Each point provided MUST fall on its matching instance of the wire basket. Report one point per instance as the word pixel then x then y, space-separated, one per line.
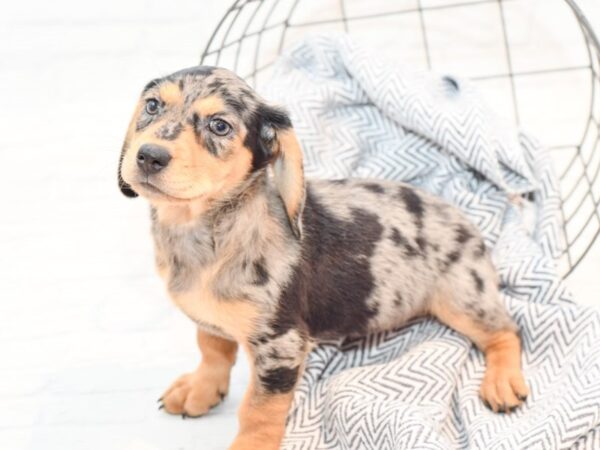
pixel 509 48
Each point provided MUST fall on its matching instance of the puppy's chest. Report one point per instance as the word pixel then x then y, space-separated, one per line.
pixel 203 286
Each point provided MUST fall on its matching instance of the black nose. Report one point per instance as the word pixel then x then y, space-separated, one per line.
pixel 152 158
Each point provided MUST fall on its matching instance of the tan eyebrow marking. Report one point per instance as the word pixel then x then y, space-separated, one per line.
pixel 209 105
pixel 170 93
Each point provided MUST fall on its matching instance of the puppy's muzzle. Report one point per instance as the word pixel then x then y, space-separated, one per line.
pixel 152 158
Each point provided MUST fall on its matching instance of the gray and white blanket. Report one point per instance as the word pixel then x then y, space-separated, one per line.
pixel 417 387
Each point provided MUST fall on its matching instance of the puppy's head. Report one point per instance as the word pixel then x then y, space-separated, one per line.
pixel 199 133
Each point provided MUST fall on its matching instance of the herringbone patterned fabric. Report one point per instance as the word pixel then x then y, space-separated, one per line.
pixel 417 387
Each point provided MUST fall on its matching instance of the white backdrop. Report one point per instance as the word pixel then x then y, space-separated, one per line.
pixel 88 340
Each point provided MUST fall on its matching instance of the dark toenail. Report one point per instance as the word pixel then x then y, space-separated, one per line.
pixel 487 404
pixel 513 408
pixel 522 397
pixel 161 406
pixel 184 415
pixel 159 400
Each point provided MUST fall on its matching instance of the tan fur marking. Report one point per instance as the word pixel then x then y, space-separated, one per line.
pixel 289 173
pixel 170 93
pixel 503 386
pixel 237 317
pixel 209 105
pixel 197 392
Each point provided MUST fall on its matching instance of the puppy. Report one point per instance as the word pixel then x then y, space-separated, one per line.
pixel 258 257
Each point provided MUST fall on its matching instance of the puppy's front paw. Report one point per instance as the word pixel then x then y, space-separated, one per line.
pixel 194 394
pixel 503 389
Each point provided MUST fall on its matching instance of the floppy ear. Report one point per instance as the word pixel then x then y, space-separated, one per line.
pixel 286 161
pixel 123 186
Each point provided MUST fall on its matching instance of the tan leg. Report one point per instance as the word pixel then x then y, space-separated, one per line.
pixel 193 394
pixel 276 367
pixel 262 420
pixel 503 387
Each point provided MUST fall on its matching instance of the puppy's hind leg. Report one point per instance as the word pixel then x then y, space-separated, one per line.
pixel 478 313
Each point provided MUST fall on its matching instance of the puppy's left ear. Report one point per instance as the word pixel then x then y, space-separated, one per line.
pixel 286 161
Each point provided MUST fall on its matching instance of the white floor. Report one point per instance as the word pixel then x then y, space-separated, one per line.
pixel 88 340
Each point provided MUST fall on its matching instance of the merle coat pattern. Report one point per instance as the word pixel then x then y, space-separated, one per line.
pixel 257 256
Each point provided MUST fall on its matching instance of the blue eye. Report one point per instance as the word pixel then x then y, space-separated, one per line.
pixel 152 106
pixel 219 127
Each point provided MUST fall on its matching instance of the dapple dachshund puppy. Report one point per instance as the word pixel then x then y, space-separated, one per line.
pixel 258 257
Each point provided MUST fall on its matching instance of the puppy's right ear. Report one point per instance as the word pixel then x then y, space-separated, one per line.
pixel 124 187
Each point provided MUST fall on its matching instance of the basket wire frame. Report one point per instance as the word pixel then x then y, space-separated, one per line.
pixel 242 30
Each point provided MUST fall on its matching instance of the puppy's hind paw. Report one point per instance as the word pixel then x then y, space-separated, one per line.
pixel 503 389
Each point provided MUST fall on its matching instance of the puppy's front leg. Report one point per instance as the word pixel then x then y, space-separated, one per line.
pixel 193 394
pixel 276 367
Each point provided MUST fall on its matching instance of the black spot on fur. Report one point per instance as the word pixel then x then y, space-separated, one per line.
pixel 398 299
pixel 401 241
pixel 279 380
pixel 480 313
pixel 236 103
pixel 152 84
pixel 256 341
pixel 413 203
pixel 256 140
pixel 211 144
pixel 479 250
pixel 479 284
pixel 374 187
pixel 462 234
pixel 214 86
pixel 422 243
pixel 194 121
pixel 261 275
pixel 453 256
pixel 330 288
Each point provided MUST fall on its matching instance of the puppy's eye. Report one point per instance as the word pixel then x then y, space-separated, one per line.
pixel 219 127
pixel 152 106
